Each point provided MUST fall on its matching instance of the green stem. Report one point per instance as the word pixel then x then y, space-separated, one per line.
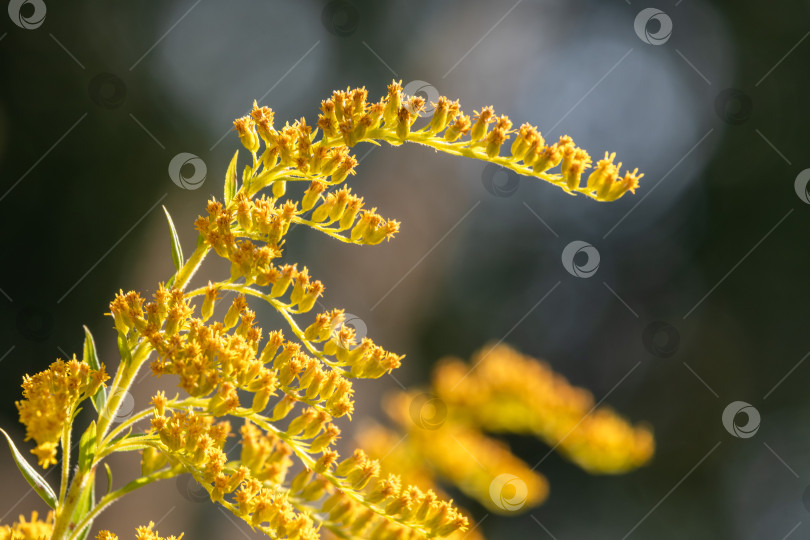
pixel 66 432
pixel 123 380
pixel 324 229
pixel 191 265
pixel 74 495
pixel 113 496
pixel 131 421
pixel 465 149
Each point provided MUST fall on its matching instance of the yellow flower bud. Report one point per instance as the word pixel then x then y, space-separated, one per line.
pixel 325 462
pixel 441 115
pixel 279 188
pixel 313 292
pixel 274 341
pixel 283 407
pixel 479 129
pixel 325 439
pixel 247 133
pixel 300 423
pixel 208 302
pixel 403 124
pixel 393 103
pixel 314 386
pixel 284 280
pixel 261 399
pixel 323 211
pixel 459 127
pixel 312 194
pixel 301 480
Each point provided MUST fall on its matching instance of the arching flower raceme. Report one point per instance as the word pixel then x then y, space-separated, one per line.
pixel 258 414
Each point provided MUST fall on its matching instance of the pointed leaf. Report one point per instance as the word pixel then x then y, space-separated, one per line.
pixel 31 475
pixel 230 180
pixel 177 252
pixel 91 357
pixel 109 476
pixel 87 447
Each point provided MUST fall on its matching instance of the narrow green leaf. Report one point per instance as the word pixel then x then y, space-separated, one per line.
pixel 230 180
pixel 87 447
pixel 177 251
pixel 91 357
pixel 31 475
pixel 109 477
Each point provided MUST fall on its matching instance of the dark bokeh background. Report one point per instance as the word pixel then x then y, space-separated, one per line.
pixel 700 299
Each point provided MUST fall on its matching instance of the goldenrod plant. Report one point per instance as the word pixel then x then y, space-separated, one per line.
pixel 444 431
pixel 287 388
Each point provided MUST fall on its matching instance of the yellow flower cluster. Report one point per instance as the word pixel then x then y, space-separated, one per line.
pixel 36 529
pixel 197 443
pixel 461 455
pixel 512 393
pixel 141 533
pixel 398 459
pixel 348 118
pixel 214 362
pixel 356 499
pixel 501 391
pixel 49 402
pixel 290 391
pixel 421 512
pixel 217 361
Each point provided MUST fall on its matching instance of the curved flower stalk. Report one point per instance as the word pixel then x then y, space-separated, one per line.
pixel 501 392
pixel 287 388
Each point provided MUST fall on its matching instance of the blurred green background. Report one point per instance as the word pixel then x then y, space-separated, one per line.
pixel 701 295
